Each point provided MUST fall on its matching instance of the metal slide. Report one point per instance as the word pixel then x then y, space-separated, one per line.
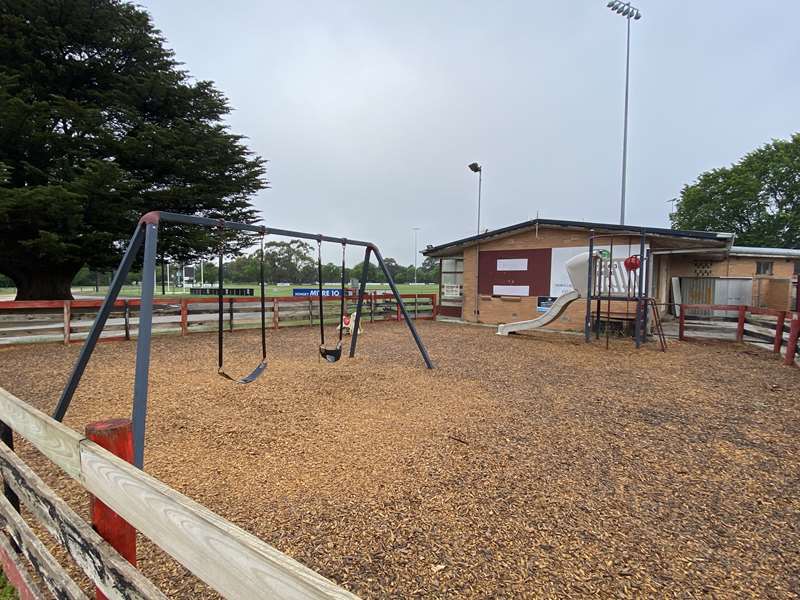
pixel 555 311
pixel 578 272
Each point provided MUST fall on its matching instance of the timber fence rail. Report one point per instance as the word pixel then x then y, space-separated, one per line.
pixel 230 560
pixel 69 321
pixel 777 330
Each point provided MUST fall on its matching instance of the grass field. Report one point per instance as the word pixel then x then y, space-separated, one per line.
pixel 272 290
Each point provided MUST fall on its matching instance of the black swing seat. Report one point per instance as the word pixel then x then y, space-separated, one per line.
pixel 255 374
pixel 331 355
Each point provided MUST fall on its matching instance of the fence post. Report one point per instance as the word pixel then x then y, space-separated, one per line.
pixel 67 319
pixel 116 436
pixel 127 317
pixel 275 315
pixel 372 307
pixel 230 314
pixel 398 310
pixel 776 347
pixel 791 345
pixel 740 324
pixel 7 437
pixel 682 324
pixel 184 316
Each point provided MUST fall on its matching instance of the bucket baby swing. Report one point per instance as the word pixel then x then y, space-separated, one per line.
pixel 331 355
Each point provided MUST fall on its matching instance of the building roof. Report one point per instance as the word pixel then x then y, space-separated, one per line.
pixel 702 236
pixel 769 252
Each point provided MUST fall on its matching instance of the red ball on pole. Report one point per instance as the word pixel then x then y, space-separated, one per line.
pixel 632 263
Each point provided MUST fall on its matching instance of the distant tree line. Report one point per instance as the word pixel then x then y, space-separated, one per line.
pixel 284 262
pixel 294 262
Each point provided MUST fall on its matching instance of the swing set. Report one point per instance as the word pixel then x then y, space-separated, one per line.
pixel 146 235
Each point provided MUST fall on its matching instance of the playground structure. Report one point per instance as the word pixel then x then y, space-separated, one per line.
pixel 616 281
pixel 146 235
pixel 598 277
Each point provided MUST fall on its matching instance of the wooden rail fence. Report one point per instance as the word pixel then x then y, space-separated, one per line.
pixel 69 321
pixel 227 558
pixel 776 329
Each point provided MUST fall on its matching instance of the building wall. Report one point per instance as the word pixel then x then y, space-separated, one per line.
pixel 773 291
pixel 736 266
pixel 496 310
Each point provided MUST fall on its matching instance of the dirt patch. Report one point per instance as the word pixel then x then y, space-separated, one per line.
pixel 522 466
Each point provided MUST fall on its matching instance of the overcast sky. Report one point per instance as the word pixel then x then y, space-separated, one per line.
pixel 370 111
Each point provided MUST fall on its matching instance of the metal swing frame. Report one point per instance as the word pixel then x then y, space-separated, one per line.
pixel 146 235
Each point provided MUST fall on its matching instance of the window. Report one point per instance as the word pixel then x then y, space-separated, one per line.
pixel 764 267
pixel 797 267
pixel 452 278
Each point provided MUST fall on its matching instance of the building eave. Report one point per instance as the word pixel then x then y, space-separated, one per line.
pixel 704 238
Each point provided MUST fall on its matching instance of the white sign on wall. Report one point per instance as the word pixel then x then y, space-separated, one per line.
pixel 620 284
pixel 512 264
pixel 511 290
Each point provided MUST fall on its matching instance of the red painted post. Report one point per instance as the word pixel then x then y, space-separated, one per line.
pixel 184 316
pixel 776 347
pixel 740 324
pixel 791 345
pixel 116 436
pixel 682 324
pixel 16 578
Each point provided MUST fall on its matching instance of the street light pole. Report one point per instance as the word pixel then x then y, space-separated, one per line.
pixel 476 168
pixel 629 12
pixel 416 229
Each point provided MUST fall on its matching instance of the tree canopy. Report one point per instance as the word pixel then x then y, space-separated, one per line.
pixel 294 262
pixel 758 198
pixel 99 124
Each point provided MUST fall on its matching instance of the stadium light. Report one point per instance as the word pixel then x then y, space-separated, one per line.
pixel 627 10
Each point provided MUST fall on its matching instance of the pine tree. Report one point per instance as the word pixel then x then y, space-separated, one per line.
pixel 98 125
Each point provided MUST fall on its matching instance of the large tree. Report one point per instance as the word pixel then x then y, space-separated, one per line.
pixel 99 124
pixel 758 198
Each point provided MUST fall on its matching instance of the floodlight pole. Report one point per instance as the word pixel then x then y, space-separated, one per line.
pixel 629 12
pixel 625 127
pixel 416 229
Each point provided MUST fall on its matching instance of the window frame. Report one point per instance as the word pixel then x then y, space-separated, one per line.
pixel 765 267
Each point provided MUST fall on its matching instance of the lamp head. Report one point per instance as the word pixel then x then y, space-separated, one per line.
pixel 474 167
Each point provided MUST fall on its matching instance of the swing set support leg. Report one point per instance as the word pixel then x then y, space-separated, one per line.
pixel 143 344
pixel 99 322
pixel 362 286
pixel 422 350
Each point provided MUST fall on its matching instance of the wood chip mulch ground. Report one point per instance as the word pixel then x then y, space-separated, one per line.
pixel 523 466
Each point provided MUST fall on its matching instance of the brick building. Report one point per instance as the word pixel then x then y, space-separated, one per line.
pixel 515 273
